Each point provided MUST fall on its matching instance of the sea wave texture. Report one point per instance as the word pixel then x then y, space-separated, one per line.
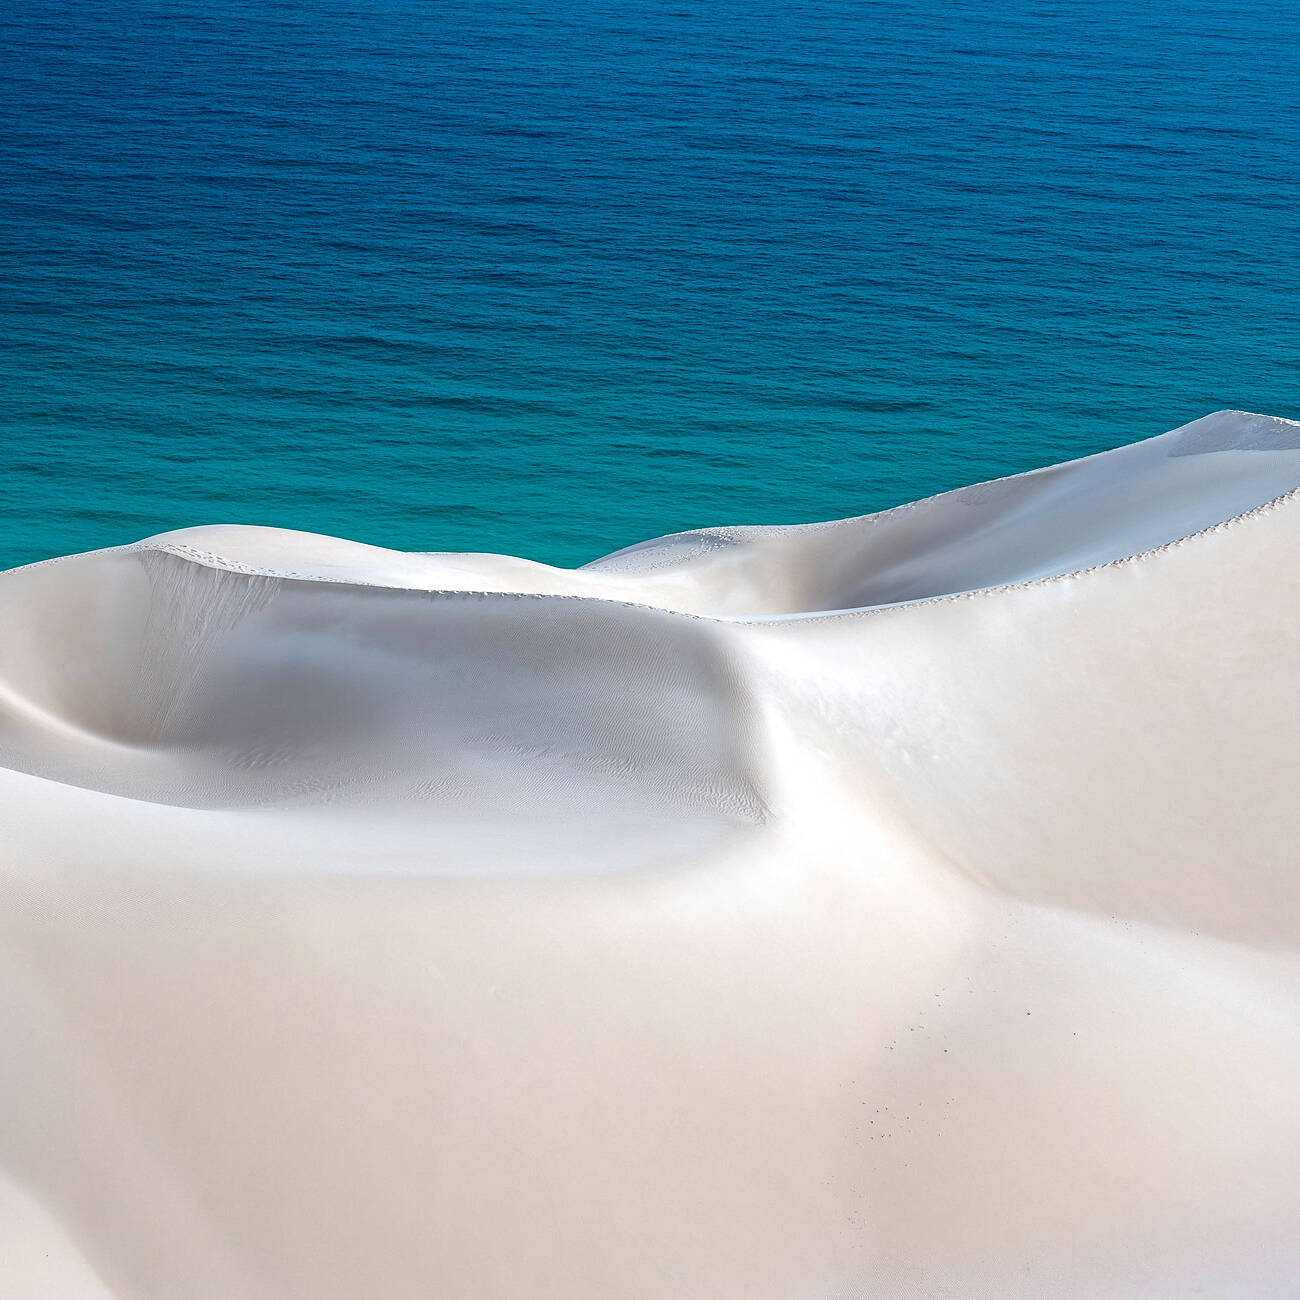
pixel 554 278
pixel 901 906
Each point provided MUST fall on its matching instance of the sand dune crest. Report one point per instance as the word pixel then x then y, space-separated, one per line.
pixel 897 906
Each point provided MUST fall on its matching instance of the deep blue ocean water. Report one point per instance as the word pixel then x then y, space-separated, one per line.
pixel 553 277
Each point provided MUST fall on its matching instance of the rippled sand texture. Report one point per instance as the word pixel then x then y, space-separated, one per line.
pixel 904 906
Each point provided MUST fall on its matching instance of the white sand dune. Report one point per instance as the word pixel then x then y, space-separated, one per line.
pixel 904 906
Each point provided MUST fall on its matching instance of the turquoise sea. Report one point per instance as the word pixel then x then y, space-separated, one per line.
pixel 553 277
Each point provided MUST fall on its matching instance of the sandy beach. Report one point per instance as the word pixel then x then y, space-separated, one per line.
pixel 900 906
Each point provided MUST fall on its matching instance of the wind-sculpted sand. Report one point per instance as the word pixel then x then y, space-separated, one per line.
pixel 904 906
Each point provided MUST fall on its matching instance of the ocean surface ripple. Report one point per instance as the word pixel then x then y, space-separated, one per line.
pixel 548 279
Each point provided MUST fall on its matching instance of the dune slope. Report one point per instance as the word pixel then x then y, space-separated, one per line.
pixel 900 906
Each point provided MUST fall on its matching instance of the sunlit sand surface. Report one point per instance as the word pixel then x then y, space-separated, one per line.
pixel 902 906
